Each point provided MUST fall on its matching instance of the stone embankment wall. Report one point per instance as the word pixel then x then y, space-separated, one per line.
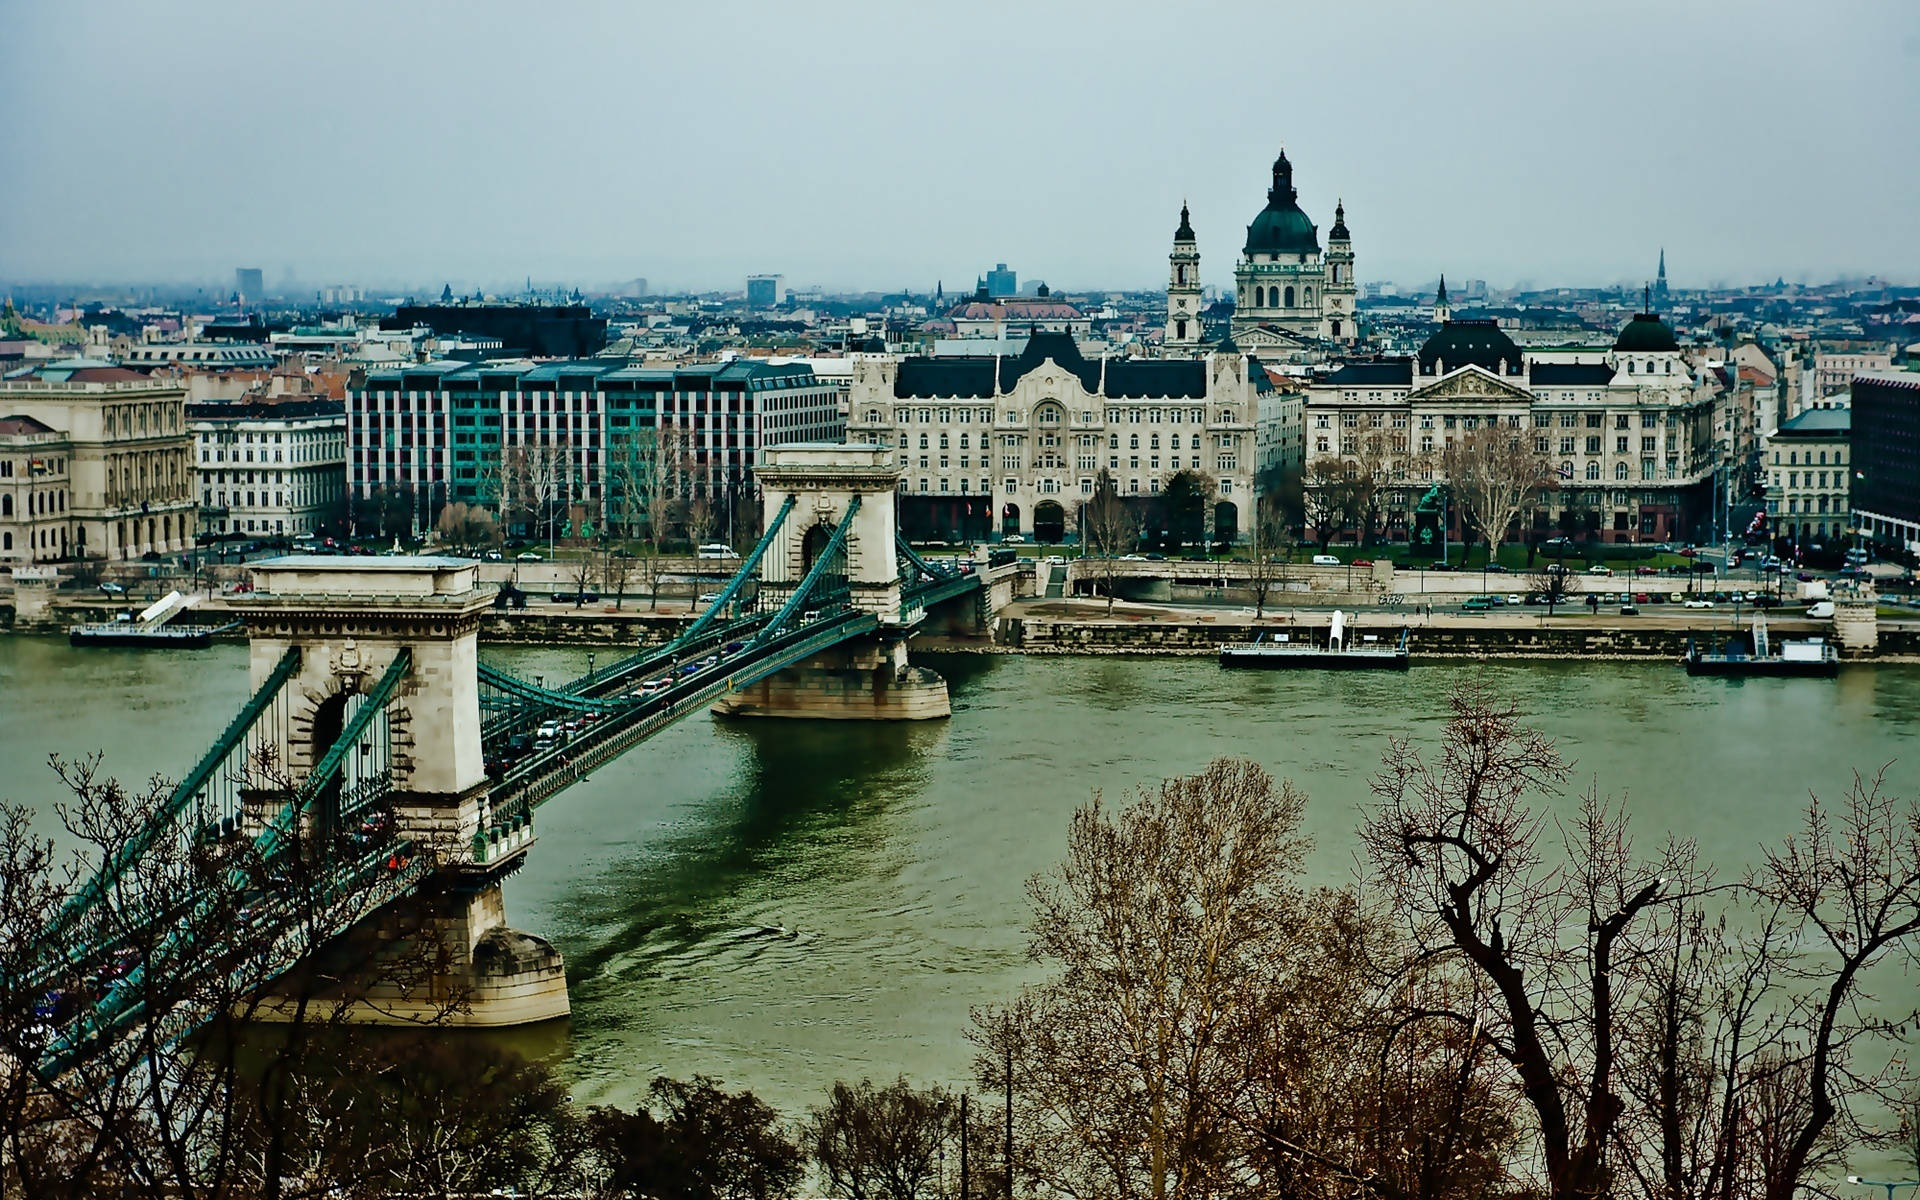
pixel 1583 640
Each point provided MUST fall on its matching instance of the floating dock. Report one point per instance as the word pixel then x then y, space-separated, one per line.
pixel 1341 651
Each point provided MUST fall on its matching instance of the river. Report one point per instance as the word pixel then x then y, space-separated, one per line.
pixel 780 904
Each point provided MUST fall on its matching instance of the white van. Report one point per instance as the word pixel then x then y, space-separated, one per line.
pixel 718 550
pixel 1325 560
pixel 1820 610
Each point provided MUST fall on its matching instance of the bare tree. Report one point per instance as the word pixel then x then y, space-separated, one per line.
pixel 1847 886
pixel 1170 926
pixel 1456 848
pixel 649 471
pixel 1111 528
pixel 467 526
pixel 1497 474
pixel 1270 546
pixel 1369 471
pixel 1330 498
pixel 616 570
pixel 881 1143
pixel 202 930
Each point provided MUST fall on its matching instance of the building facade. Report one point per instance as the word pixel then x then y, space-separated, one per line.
pixel 129 460
pixel 1627 431
pixel 271 469
pixel 1886 459
pixel 1809 476
pixel 445 431
pixel 36 523
pixel 1833 370
pixel 1284 289
pixel 1014 444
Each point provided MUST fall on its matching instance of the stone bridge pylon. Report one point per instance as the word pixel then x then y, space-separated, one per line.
pixel 351 619
pixel 865 679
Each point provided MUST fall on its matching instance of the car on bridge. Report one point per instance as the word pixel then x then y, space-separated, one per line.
pixel 653 687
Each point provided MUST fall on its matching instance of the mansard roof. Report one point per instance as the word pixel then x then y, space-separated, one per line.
pixel 1569 374
pixel 1384 372
pixel 973 377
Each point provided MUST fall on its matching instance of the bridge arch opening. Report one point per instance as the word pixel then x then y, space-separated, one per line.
pixel 329 718
pixel 1049 522
pixel 813 544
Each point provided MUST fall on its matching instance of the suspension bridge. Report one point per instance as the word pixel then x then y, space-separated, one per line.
pixel 382 775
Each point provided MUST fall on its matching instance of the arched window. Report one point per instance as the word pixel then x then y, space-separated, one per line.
pixel 1289 297
pixel 1260 297
pixel 1593 470
pixel 6 541
pixel 1336 329
pixel 1620 470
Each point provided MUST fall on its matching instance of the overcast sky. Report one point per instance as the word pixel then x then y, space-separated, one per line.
pixel 893 146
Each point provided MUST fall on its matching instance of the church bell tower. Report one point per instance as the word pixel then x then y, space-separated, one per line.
pixel 1183 288
pixel 1339 304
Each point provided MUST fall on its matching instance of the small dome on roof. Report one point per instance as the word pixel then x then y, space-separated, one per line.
pixel 1185 232
pixel 1646 334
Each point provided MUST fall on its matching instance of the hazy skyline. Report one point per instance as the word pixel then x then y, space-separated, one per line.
pixel 871 148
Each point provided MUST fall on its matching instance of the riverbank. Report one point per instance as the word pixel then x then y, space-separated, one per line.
pixel 1070 626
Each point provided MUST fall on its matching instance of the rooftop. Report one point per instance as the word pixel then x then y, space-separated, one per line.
pixel 1818 422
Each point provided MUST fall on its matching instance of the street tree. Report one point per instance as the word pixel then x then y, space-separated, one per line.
pixel 881 1143
pixel 1498 474
pixel 1270 544
pixel 1110 528
pixel 467 526
pixel 1330 498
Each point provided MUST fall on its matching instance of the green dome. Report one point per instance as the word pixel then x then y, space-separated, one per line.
pixel 1646 334
pixel 1281 228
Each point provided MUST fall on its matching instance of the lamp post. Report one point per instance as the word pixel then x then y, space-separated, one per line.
pixel 1884 1183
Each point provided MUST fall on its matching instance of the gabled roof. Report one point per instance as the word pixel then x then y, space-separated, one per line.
pixel 1544 374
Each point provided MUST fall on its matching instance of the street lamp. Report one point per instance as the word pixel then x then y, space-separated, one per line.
pixel 1884 1183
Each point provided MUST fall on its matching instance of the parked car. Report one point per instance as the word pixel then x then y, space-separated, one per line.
pixel 527 556
pixel 1014 539
pixel 1646 570
pixel 1597 569
pixel 1367 562
pixel 1325 560
pixel 492 556
pixel 111 588
pixel 1514 599
pixel 1628 610
pixel 1492 569
pixel 1699 602
pixel 1477 604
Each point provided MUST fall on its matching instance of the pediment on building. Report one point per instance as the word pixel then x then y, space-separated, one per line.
pixel 1271 336
pixel 1470 383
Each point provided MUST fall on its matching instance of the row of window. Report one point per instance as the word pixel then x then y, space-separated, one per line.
pixel 1051 414
pixel 1049 486
pixel 38 503
pixel 56 465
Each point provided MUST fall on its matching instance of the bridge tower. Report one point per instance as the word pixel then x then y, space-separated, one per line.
pixel 350 618
pixel 868 679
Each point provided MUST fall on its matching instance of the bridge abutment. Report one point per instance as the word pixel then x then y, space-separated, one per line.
pixel 861 681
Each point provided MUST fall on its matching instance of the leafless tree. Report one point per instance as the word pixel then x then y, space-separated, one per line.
pixel 1111 528
pixel 105 1094
pixel 650 472
pixel 881 1143
pixel 1330 498
pixel 616 571
pixel 1457 848
pixel 467 526
pixel 1270 544
pixel 1496 472
pixel 1169 925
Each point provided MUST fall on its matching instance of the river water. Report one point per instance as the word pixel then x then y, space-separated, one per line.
pixel 783 903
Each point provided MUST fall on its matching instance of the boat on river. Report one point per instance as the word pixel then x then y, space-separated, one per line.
pixel 1758 655
pixel 1339 651
pixel 150 630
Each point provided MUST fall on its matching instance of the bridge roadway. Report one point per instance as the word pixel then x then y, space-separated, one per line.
pixel 698 672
